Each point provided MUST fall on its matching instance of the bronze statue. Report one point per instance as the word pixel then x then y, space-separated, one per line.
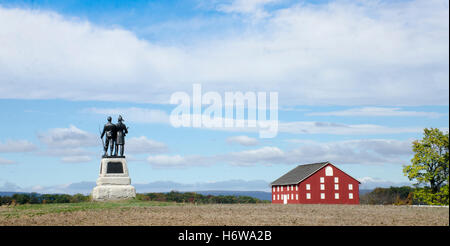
pixel 121 131
pixel 110 130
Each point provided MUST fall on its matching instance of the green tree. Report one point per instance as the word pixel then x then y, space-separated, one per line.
pixel 429 167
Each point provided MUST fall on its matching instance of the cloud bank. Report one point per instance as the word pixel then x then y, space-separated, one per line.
pixel 17 146
pixel 340 53
pixel 243 140
pixel 359 152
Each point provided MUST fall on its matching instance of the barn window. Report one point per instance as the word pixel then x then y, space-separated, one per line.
pixel 273 197
pixel 292 196
pixel 281 188
pixel 322 180
pixel 278 188
pixel 350 195
pixel 292 187
pixel 336 195
pixel 278 197
pixel 308 187
pixel 288 188
pixel 296 196
pixel 322 195
pixel 308 195
pixel 336 186
pixel 336 179
pixel 322 186
pixel 329 171
pixel 296 188
pixel 273 189
pixel 350 186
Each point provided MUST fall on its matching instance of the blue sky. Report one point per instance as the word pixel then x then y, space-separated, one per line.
pixel 356 81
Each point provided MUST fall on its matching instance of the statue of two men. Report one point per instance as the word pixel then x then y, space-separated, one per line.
pixel 115 137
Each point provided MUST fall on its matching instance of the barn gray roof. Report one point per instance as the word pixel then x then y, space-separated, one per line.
pixel 299 173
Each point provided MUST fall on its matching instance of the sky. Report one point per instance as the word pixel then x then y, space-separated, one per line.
pixel 357 83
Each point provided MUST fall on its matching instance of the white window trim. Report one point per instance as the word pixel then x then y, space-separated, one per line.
pixel 308 187
pixel 296 196
pixel 350 195
pixel 281 188
pixel 322 180
pixel 336 186
pixel 350 186
pixel 308 196
pixel 336 195
pixel 322 186
pixel 336 179
pixel 328 171
pixel 278 197
pixel 322 196
pixel 296 188
pixel 287 188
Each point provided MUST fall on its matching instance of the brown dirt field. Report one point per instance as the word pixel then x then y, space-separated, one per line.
pixel 241 214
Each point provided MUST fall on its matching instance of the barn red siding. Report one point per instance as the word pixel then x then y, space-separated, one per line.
pixel 315 192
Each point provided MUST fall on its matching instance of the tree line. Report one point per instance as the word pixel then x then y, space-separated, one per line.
pixel 173 196
pixel 390 196
pixel 35 198
pixel 192 197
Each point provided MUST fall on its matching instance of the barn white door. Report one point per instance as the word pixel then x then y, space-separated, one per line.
pixel 285 198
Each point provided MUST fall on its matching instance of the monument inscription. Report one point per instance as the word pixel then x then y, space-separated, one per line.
pixel 114 167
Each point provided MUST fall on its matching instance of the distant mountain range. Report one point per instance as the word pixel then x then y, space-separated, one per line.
pixel 8 193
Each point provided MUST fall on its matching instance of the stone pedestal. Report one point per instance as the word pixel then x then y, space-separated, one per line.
pixel 113 182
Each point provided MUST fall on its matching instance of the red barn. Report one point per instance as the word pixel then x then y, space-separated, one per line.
pixel 315 183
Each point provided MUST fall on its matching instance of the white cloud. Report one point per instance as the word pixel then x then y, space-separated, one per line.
pixel 264 155
pixel 76 159
pixel 14 146
pixel 341 53
pixel 243 140
pixel 68 138
pixel 8 186
pixel 315 127
pixel 133 114
pixel 67 151
pixel 377 111
pixel 139 145
pixel 6 162
pixel 177 161
pixel 360 152
pixel 255 8
pixel 143 115
pixel 69 143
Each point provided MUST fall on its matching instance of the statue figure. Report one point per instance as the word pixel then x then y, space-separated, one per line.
pixel 110 131
pixel 121 131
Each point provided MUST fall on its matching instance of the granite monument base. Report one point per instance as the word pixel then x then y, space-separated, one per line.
pixel 114 182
